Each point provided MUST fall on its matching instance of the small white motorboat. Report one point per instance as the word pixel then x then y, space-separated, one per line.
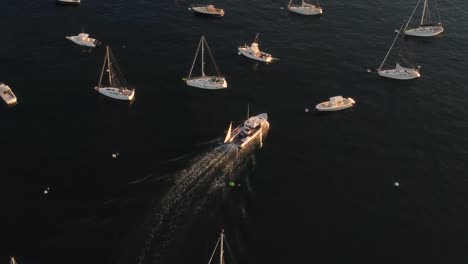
pixel 253 52
pixel 204 81
pixel 428 26
pixel 305 8
pixel 117 87
pixel 83 39
pixel 247 131
pixel 210 10
pixel 336 103
pixel 68 2
pixel 7 94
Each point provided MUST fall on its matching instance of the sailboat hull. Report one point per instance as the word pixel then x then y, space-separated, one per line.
pixel 425 31
pixel 400 74
pixel 306 10
pixel 208 82
pixel 123 94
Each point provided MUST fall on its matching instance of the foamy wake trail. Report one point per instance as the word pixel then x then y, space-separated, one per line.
pixel 191 189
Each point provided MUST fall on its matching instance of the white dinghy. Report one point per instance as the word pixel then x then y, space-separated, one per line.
pixel 68 2
pixel 247 131
pixel 211 82
pixel 399 72
pixel 117 87
pixel 336 103
pixel 253 52
pixel 83 39
pixel 209 10
pixel 428 27
pixel 305 8
pixel 7 94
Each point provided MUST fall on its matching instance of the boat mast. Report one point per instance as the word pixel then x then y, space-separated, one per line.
pixel 248 111
pixel 203 56
pixel 195 59
pixel 109 66
pixel 103 67
pixel 423 13
pixel 391 47
pixel 414 10
pixel 221 249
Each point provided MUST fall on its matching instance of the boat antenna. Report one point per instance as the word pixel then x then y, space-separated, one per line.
pixel 256 38
pixel 82 29
pixel 203 56
pixel 248 111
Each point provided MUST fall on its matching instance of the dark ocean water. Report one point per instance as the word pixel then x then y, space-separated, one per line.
pixel 319 190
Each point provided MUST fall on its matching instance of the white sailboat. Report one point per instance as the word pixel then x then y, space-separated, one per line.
pixel 117 87
pixel 428 27
pixel 242 135
pixel 399 72
pixel 211 82
pixel 253 52
pixel 336 103
pixel 305 8
pixel 7 94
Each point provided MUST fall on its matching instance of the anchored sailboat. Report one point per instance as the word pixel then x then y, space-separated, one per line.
pixel 428 26
pixel 305 8
pixel 205 81
pixel 117 87
pixel 399 72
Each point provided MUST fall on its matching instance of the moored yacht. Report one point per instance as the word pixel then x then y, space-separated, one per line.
pixel 83 39
pixel 7 94
pixel 253 52
pixel 68 2
pixel 305 8
pixel 209 10
pixel 247 131
pixel 336 103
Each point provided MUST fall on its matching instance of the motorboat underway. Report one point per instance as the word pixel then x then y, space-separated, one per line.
pixel 247 131
pixel 83 39
pixel 336 103
pixel 305 8
pixel 68 2
pixel 428 27
pixel 399 72
pixel 117 87
pixel 253 52
pixel 204 81
pixel 7 94
pixel 210 10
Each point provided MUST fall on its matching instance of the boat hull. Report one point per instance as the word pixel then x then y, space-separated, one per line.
pixel 307 11
pixel 250 55
pixel 117 93
pixel 327 107
pixel 67 2
pixel 407 74
pixel 425 31
pixel 7 94
pixel 207 83
pixel 202 10
pixel 76 40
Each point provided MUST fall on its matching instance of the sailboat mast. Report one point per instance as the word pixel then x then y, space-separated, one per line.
pixel 109 66
pixel 423 13
pixel 203 56
pixel 414 10
pixel 102 71
pixel 398 34
pixel 221 259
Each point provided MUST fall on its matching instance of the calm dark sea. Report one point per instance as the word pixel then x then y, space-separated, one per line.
pixel 319 190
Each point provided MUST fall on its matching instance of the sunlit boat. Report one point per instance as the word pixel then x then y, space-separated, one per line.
pixel 83 39
pixel 210 10
pixel 68 2
pixel 305 8
pixel 7 94
pixel 247 131
pixel 211 82
pixel 117 87
pixel 336 103
pixel 428 26
pixel 253 52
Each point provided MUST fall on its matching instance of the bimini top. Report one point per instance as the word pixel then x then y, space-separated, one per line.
pixel 255 121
